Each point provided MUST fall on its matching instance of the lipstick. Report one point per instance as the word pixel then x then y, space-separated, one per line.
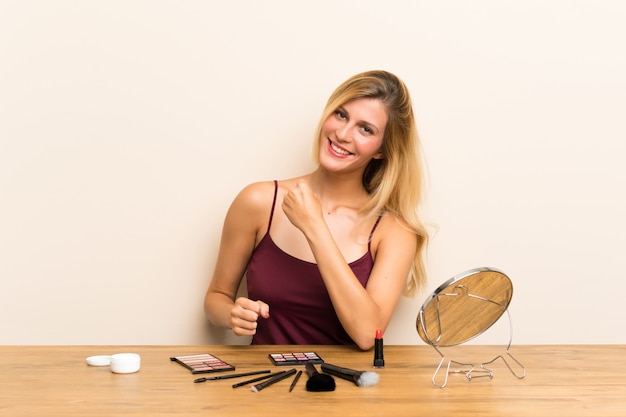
pixel 379 359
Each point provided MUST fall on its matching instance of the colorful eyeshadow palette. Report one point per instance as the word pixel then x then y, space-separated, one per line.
pixel 203 363
pixel 299 358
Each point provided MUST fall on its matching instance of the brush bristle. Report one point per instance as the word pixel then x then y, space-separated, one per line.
pixel 320 383
pixel 367 379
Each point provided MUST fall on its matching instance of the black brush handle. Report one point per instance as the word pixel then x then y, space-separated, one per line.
pixel 310 369
pixel 345 373
pixel 295 381
pixel 215 378
pixel 261 378
pixel 273 380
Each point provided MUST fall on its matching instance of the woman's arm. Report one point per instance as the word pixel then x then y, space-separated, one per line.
pixel 363 310
pixel 244 222
pixel 360 310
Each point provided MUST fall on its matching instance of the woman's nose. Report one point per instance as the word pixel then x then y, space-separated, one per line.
pixel 343 132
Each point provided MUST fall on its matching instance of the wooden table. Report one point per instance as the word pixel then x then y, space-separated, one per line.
pixel 561 381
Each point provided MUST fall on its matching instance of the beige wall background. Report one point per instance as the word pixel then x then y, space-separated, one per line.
pixel 127 127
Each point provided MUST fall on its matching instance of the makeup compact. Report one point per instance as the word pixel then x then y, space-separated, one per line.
pixel 295 358
pixel 120 363
pixel 125 363
pixel 99 360
pixel 203 363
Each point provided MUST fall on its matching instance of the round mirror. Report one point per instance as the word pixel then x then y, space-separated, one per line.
pixel 464 307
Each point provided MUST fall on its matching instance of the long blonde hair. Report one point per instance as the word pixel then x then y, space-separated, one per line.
pixel 395 181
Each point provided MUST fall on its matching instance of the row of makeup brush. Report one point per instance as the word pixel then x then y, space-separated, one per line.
pixel 317 382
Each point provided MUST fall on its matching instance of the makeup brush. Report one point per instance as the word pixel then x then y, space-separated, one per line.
pixel 360 378
pixel 271 381
pixel 318 382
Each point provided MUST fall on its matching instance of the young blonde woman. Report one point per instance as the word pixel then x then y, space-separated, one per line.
pixel 328 255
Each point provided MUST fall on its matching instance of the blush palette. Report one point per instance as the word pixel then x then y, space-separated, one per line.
pixel 295 358
pixel 203 363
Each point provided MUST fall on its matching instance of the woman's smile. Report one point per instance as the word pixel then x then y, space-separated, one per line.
pixel 338 150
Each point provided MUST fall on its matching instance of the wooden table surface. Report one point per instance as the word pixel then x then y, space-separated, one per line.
pixel 572 380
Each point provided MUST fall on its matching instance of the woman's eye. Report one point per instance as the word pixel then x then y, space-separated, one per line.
pixel 340 114
pixel 367 130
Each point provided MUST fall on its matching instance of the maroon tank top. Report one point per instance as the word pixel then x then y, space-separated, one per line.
pixel 300 308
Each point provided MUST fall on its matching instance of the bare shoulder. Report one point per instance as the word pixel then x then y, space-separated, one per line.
pixel 256 195
pixel 259 193
pixel 252 205
pixel 392 231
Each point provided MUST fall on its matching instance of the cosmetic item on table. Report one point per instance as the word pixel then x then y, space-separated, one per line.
pixel 125 363
pixel 229 376
pixel 295 358
pixel 260 378
pixel 99 360
pixel 286 374
pixel 318 382
pixel 120 363
pixel 295 381
pixel 360 378
pixel 379 358
pixel 203 363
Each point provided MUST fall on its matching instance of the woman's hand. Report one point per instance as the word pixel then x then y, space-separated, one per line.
pixel 302 207
pixel 244 315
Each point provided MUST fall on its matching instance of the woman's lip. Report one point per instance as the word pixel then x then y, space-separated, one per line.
pixel 332 145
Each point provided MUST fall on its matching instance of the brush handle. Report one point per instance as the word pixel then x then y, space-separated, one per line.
pixel 295 381
pixel 214 378
pixel 310 369
pixel 345 373
pixel 261 378
pixel 273 380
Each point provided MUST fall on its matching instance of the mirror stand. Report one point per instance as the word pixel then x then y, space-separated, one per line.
pixel 471 370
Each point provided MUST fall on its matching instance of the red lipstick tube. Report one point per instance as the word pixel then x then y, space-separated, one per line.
pixel 379 358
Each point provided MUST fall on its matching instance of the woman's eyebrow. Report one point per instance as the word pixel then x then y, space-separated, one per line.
pixel 372 126
pixel 364 122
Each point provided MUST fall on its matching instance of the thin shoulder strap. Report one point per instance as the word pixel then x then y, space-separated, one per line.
pixel 273 205
pixel 369 241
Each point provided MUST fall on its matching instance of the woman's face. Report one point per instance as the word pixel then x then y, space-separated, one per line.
pixel 353 135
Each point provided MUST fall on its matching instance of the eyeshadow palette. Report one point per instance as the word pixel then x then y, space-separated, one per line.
pixel 203 363
pixel 298 358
